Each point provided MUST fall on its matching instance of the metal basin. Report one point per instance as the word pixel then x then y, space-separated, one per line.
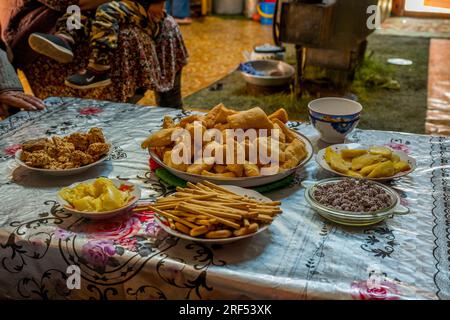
pixel 276 73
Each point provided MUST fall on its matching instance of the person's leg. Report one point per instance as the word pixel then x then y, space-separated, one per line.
pixel 106 26
pixel 75 34
pixel 181 11
pixel 171 98
pixel 103 41
pixel 58 46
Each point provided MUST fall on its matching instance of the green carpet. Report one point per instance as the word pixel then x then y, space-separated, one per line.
pixel 384 109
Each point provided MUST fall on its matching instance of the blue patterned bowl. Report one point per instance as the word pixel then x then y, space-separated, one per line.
pixel 333 131
pixel 334 118
pixel 334 109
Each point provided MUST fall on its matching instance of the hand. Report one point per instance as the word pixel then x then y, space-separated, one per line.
pixel 155 11
pixel 18 99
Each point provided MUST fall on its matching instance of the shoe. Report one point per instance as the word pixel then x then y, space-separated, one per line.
pixel 51 46
pixel 88 79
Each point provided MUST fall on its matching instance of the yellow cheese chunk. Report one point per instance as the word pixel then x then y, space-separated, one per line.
pixel 339 164
pixel 328 152
pixel 382 170
pixel 352 153
pixel 354 174
pixel 368 169
pixel 365 160
pixel 380 150
pixel 401 166
pixel 395 158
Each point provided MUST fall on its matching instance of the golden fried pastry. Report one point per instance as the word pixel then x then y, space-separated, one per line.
pixel 197 168
pixel 289 135
pixel 64 148
pixel 34 145
pixel 79 140
pixel 251 170
pixel 159 151
pixel 280 114
pixel 237 169
pixel 168 122
pixel 220 168
pixel 210 117
pixel 98 149
pixel 254 118
pixel 218 175
pixel 295 152
pixel 281 135
pixel 67 165
pixel 168 161
pixel 222 115
pixel 95 135
pixel 52 150
pixel 193 127
pixel 160 138
pixel 64 158
pixel 38 159
pixel 79 158
pixel 189 119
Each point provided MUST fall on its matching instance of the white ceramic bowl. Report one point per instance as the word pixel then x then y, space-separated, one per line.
pixel 60 172
pixel 238 190
pixel 334 118
pixel 277 73
pixel 244 181
pixel 320 159
pixel 135 193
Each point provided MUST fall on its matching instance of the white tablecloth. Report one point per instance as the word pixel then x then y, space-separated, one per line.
pixel 300 256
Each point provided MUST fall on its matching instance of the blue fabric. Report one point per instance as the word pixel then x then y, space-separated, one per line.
pixel 181 8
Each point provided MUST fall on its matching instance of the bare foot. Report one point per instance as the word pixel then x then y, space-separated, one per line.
pixel 184 21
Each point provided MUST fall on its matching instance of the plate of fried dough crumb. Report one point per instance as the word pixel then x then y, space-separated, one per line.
pixel 64 156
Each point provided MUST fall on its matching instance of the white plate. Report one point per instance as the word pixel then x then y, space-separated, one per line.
pixel 243 181
pixel 320 159
pixel 60 172
pixel 238 190
pixel 136 195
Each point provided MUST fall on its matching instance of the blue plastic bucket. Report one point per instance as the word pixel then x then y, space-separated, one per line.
pixel 266 10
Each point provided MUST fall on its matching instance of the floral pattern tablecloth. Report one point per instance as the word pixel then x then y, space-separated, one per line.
pixel 301 256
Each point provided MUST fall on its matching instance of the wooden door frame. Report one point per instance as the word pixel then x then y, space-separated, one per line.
pixel 398 8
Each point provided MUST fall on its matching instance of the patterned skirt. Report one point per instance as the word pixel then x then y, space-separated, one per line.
pixel 139 62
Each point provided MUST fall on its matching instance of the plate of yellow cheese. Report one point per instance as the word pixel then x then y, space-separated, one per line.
pixel 379 163
pixel 99 198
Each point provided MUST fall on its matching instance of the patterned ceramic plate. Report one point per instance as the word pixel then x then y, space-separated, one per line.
pixel 135 196
pixel 320 159
pixel 60 172
pixel 238 190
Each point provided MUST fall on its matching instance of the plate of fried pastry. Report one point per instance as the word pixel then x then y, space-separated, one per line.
pixel 64 155
pixel 293 150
